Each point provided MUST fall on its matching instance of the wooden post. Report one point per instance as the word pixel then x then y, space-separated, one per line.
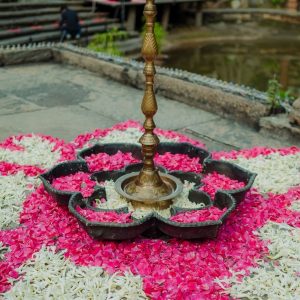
pixel 284 72
pixel 292 5
pixel 166 16
pixel 130 24
pixel 198 15
pixel 244 3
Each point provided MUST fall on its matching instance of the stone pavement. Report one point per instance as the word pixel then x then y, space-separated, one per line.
pixel 63 101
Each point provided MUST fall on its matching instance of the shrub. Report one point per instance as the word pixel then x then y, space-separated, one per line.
pixel 106 41
pixel 278 98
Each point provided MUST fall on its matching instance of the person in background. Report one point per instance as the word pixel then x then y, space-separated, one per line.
pixel 69 23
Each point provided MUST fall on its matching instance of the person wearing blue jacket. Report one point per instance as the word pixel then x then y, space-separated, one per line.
pixel 69 23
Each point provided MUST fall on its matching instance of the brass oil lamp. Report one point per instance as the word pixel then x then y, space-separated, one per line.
pixel 149 187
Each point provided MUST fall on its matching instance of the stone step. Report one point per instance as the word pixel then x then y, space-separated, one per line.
pixel 272 11
pixel 21 31
pixel 27 5
pixel 39 12
pixel 44 19
pixel 55 36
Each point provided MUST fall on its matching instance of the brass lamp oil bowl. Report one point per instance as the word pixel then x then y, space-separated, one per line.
pixel 145 185
pixel 160 195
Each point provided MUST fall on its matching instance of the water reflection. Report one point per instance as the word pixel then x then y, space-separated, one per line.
pixel 251 64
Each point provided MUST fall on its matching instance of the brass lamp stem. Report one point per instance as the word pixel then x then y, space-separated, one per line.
pixel 149 140
pixel 149 187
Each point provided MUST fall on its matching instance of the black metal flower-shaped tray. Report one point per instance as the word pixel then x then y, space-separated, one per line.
pixel 152 223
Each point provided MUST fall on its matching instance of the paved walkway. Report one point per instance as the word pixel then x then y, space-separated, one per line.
pixel 63 101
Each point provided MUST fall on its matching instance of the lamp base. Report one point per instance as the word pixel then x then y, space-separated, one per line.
pixel 156 191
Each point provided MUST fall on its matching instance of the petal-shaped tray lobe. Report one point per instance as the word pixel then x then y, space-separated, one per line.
pixel 223 200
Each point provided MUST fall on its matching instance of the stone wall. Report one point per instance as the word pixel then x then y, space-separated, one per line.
pixel 225 99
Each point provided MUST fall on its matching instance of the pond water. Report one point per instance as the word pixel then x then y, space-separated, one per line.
pixel 251 64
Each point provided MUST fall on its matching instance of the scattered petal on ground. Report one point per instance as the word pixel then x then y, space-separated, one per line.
pixel 13 191
pixel 3 250
pixel 48 275
pixel 254 152
pixel 276 172
pixel 295 205
pixel 31 150
pixel 278 275
pixel 130 132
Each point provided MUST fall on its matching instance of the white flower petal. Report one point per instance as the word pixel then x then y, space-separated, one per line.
pixel 37 152
pixel 3 250
pixel 49 275
pixel 278 277
pixel 114 201
pixel 130 135
pixel 275 173
pixel 13 191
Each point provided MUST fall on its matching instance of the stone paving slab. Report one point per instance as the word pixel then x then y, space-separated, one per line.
pixel 53 94
pixel 63 101
pixel 232 133
pixel 11 104
pixel 63 122
pixel 121 104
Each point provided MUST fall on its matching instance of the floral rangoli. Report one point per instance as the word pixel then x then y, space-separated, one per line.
pixel 44 253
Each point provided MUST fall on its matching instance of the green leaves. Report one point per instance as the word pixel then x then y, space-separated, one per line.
pixel 278 98
pixel 106 42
